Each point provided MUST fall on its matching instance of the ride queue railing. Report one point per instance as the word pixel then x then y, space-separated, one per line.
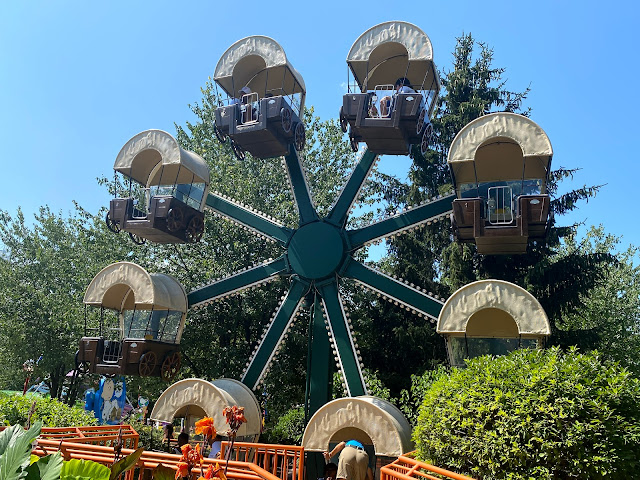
pixel 103 435
pixel 147 462
pixel 408 468
pixel 286 462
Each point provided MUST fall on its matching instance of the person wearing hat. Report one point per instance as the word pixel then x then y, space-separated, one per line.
pixel 353 462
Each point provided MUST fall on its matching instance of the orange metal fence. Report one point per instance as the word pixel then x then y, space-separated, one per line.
pixel 104 435
pixel 148 461
pixel 284 461
pixel 408 468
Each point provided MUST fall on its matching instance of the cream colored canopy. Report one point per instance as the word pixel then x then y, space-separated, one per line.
pixel 125 286
pixel 493 305
pixel 500 146
pixel 211 398
pixel 366 419
pixel 259 63
pixel 153 157
pixel 382 54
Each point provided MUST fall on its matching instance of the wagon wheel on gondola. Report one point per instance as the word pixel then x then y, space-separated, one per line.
pixel 421 119
pixel 220 135
pixel 147 364
pixel 343 121
pixel 170 366
pixel 426 139
pixel 137 239
pixel 175 219
pixel 238 151
pixel 286 119
pixel 195 229
pixel 112 224
pixel 300 137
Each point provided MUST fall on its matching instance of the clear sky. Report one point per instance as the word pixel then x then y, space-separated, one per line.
pixel 79 78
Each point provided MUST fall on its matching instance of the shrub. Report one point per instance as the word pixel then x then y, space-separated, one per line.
pixel 14 409
pixel 533 414
pixel 289 428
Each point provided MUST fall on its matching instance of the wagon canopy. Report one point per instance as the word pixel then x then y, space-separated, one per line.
pixel 153 157
pixel 127 286
pixel 499 309
pixel 259 63
pixel 194 395
pixel 366 419
pixel 500 147
pixel 392 50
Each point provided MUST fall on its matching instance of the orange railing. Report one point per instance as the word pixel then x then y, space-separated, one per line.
pixel 408 468
pixel 284 461
pixel 104 435
pixel 148 461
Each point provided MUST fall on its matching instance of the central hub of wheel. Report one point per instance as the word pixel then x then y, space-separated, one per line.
pixel 316 250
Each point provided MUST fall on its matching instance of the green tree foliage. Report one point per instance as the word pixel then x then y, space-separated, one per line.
pixel 44 270
pixel 288 430
pixel 608 318
pixel 16 409
pixel 533 414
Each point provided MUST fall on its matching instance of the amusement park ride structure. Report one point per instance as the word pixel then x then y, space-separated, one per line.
pixel 319 254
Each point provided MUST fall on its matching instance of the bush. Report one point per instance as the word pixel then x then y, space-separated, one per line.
pixel 533 414
pixel 289 428
pixel 14 409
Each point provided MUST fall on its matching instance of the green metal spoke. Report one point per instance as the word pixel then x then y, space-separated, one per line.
pixel 393 289
pixel 237 282
pixel 349 194
pixel 404 221
pixel 255 221
pixel 345 348
pixel 319 360
pixel 275 333
pixel 298 181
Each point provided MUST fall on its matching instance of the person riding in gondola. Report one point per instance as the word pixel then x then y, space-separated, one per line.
pixel 402 85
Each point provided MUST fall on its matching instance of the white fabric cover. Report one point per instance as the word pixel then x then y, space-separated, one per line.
pixel 523 307
pixel 507 127
pixel 153 153
pixel 212 397
pixel 387 41
pixel 260 63
pixel 378 419
pixel 125 285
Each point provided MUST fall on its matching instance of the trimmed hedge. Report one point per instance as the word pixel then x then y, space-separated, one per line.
pixel 533 415
pixel 14 409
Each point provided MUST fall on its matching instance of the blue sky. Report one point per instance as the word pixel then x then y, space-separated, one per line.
pixel 78 79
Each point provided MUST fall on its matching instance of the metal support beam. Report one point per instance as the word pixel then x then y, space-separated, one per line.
pixel 395 290
pixel 346 352
pixel 298 179
pixel 275 334
pixel 407 220
pixel 349 194
pixel 319 362
pixel 238 281
pixel 255 221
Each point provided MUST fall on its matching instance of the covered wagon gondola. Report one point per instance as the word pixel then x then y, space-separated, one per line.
pixel 500 166
pixel 141 319
pixel 265 99
pixel 167 190
pixel 393 89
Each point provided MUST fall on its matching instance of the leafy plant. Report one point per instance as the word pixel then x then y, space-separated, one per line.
pixel 14 409
pixel 533 414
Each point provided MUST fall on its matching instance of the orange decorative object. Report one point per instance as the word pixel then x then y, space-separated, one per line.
pixel 205 427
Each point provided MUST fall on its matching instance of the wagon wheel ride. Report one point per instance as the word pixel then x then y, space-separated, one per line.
pixel 136 326
pixel 167 188
pixel 500 166
pixel 392 90
pixel 263 111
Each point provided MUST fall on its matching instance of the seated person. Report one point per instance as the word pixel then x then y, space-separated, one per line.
pixel 183 439
pixel 330 471
pixel 402 85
